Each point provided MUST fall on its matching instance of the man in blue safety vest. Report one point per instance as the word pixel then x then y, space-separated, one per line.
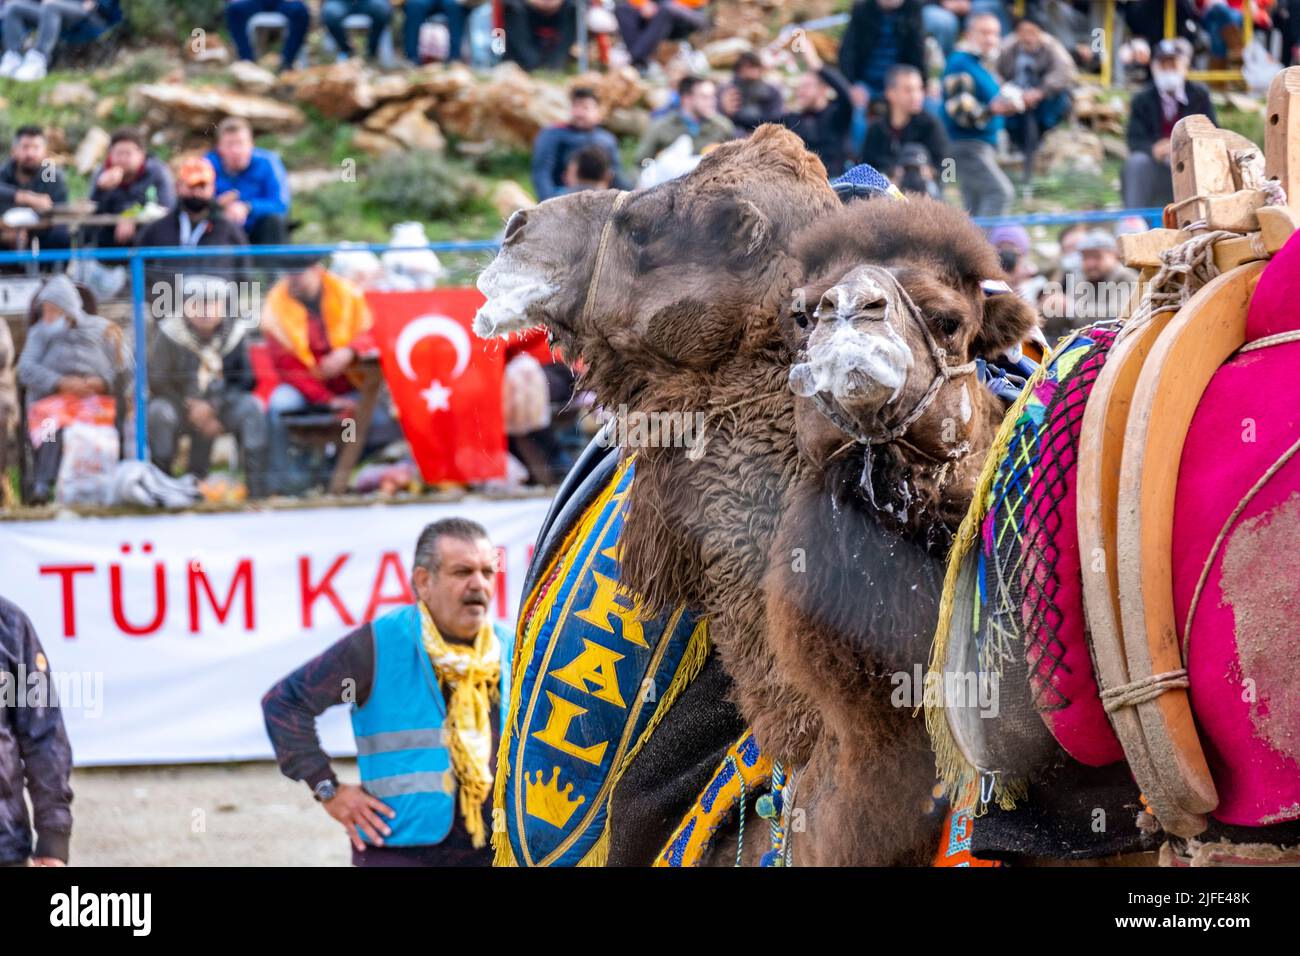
pixel 426 683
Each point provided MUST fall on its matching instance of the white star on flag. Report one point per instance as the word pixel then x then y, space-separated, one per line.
pixel 436 395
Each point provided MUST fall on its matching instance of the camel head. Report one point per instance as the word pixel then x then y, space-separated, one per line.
pixel 890 318
pixel 655 283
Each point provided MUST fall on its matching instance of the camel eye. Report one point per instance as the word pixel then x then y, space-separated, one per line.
pixel 801 319
pixel 640 234
pixel 949 323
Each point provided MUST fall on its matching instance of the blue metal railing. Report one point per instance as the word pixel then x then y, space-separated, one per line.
pixel 135 259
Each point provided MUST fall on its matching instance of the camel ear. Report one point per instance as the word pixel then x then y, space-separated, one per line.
pixel 747 228
pixel 1008 321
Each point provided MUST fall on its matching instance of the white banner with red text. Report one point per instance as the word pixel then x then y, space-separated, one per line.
pixel 163 633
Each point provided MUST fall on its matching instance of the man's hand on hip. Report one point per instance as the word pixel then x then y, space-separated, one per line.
pixel 354 808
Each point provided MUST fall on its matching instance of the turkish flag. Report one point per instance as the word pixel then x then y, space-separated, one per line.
pixel 445 380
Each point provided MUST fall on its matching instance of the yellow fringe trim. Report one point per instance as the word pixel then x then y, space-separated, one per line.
pixel 959 776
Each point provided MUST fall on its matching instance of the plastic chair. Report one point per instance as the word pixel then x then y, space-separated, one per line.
pixel 272 21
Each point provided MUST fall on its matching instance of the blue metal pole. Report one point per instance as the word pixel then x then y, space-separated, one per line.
pixel 141 358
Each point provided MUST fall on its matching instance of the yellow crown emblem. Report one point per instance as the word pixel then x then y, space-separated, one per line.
pixel 545 800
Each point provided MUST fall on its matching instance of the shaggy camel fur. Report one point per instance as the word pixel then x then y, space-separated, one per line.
pixel 858 564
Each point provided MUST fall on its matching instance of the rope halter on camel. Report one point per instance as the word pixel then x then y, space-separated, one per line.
pixel 601 248
pixel 897 301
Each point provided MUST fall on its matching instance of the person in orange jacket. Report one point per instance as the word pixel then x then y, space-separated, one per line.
pixel 316 325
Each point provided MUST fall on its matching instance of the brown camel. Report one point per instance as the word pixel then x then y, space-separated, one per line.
pixel 695 277
pixel 857 566
pixel 675 299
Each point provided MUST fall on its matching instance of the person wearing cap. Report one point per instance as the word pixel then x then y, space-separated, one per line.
pixel 1146 179
pixel 73 367
pixel 1012 243
pixel 1099 290
pixel 973 113
pixel 194 221
pixel 748 100
pixel 252 184
pixel 905 123
pixel 1043 71
pixel 129 180
pixel 201 383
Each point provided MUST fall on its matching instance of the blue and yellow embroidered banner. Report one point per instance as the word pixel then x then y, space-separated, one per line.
pixel 591 679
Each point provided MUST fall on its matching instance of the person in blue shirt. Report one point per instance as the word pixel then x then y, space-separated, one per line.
pixel 252 185
pixel 555 145
pixel 973 111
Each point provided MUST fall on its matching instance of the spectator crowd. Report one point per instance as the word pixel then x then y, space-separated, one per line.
pixel 951 99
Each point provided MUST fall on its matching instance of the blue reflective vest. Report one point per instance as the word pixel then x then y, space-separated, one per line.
pixel 401 744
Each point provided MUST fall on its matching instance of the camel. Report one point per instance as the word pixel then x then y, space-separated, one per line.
pixel 675 297
pixel 857 566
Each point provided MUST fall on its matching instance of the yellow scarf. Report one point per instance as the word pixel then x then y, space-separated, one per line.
pixel 473 676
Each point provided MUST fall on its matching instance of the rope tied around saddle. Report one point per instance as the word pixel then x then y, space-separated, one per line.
pixel 1184 269
pixel 1140 691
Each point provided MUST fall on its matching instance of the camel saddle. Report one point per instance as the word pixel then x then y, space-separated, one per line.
pixel 1129 562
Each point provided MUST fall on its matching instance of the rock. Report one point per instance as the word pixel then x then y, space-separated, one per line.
pixel 70 93
pixel 339 90
pixel 1115 146
pixel 199 108
pixel 416 131
pixel 723 54
pixel 629 123
pixel 1069 149
pixel 619 88
pixel 105 107
pixel 306 180
pixel 513 108
pixel 508 197
pixel 374 144
pixel 443 82
pixel 206 46
pixel 389 113
pixel 91 151
pixel 392 86
pixel 252 78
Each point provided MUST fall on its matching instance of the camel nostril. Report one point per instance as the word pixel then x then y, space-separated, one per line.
pixel 857 299
pixel 514 225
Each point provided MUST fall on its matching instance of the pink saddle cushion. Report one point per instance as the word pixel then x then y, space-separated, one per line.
pixel 1245 636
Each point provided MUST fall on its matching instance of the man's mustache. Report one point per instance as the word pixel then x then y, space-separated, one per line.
pixel 477 597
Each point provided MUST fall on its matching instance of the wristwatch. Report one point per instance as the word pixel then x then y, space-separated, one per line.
pixel 325 791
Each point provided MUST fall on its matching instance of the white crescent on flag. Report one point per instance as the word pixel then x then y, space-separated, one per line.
pixel 424 327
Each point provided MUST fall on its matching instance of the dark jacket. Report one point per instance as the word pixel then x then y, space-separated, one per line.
pixel 34 750
pixel 167 232
pixel 55 237
pixel 826 133
pixel 883 142
pixel 863 31
pixel 174 365
pixel 153 184
pixel 1146 119
pixel 553 149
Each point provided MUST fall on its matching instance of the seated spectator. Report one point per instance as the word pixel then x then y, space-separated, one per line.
pixel 973 116
pixel 73 367
pixel 588 168
pixel 915 172
pixel 239 12
pixel 946 19
pixel 316 324
pixel 904 123
pixel 201 383
pixel 645 24
pixel 696 116
pixel 1045 74
pixel 1146 179
pixel 539 33
pixel 748 100
pixel 8 395
pixel 417 11
pixel 880 35
pixel 252 185
pixel 555 145
pixel 31 179
pixel 821 122
pixel 48 19
pixel 1099 289
pixel 195 221
pixel 334 12
pixel 129 180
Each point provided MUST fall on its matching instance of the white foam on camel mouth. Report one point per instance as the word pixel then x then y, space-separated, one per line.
pixel 511 294
pixel 847 360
